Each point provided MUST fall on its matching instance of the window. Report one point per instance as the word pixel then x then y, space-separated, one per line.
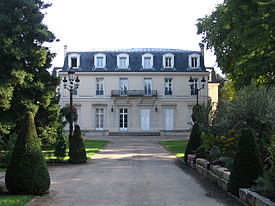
pixel 194 87
pixel 73 61
pixel 194 61
pixel 147 61
pixel 99 118
pixel 75 92
pixel 147 86
pixel 168 60
pixel 123 119
pixel 123 61
pixel 99 86
pixel 168 86
pixel 123 83
pixel 100 60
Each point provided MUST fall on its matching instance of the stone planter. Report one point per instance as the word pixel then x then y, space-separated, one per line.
pixel 254 199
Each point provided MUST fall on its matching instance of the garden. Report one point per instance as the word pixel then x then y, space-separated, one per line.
pixel 234 145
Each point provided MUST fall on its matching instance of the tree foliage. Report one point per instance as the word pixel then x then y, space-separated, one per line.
pixel 242 34
pixel 247 163
pixel 78 152
pixel 25 83
pixel 27 171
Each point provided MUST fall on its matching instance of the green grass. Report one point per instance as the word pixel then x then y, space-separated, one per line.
pixel 91 146
pixel 14 200
pixel 176 147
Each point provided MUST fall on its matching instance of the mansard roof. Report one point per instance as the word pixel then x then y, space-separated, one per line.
pixel 181 58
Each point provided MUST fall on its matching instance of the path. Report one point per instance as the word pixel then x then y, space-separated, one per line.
pixel 131 171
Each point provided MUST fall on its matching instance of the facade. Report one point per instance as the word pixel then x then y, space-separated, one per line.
pixel 135 90
pixel 213 86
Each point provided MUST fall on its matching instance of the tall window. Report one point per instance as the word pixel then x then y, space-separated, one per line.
pixel 74 62
pixel 100 60
pixel 123 86
pixel 99 118
pixel 147 61
pixel 168 60
pixel 194 61
pixel 123 61
pixel 147 86
pixel 99 86
pixel 123 119
pixel 168 86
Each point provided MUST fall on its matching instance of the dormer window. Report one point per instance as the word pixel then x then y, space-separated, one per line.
pixel 147 61
pixel 123 61
pixel 73 61
pixel 194 61
pixel 168 60
pixel 100 60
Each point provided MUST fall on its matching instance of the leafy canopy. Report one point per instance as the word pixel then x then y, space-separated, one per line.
pixel 242 34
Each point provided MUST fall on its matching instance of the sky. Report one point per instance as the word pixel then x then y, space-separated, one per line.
pixel 84 25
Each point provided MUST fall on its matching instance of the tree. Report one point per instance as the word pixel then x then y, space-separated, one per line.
pixel 247 163
pixel 78 152
pixel 27 171
pixel 242 35
pixel 25 83
pixel 194 141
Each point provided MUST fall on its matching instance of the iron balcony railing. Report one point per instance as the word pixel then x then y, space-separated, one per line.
pixel 133 93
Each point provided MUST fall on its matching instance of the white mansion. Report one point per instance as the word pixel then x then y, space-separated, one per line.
pixel 135 91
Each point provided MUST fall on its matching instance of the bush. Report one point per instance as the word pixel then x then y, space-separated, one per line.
pixel 27 171
pixel 194 141
pixel 77 153
pixel 247 165
pixel 60 146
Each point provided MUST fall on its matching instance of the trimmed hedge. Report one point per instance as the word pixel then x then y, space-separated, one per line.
pixel 247 163
pixel 27 171
pixel 77 153
pixel 194 141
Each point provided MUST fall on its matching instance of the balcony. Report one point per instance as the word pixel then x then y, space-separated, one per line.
pixel 133 93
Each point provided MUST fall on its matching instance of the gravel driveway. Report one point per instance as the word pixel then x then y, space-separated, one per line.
pixel 131 171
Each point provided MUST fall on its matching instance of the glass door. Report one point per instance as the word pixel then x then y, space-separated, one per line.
pixel 145 119
pixel 169 119
pixel 123 119
pixel 123 86
pixel 147 86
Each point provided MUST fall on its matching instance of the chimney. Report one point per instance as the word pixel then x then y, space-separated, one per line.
pixel 202 52
pixel 65 51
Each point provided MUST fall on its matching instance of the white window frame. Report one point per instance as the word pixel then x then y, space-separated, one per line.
pixel 166 83
pixel 74 55
pixel 98 84
pixel 151 63
pixel 164 60
pixel 123 55
pixel 96 64
pixel 99 118
pixel 190 59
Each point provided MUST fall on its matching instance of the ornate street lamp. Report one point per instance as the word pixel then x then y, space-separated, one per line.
pixel 194 87
pixel 71 87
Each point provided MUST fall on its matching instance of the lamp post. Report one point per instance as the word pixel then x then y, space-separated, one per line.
pixel 194 86
pixel 71 87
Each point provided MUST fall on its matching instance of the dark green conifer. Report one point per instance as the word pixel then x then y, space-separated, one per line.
pixel 194 141
pixel 27 171
pixel 247 163
pixel 78 152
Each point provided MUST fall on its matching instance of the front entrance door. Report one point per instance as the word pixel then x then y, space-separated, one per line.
pixel 169 119
pixel 145 119
pixel 123 119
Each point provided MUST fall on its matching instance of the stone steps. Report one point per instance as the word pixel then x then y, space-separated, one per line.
pixel 134 134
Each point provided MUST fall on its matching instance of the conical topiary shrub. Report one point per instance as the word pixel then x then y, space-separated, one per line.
pixel 247 163
pixel 194 141
pixel 78 152
pixel 27 171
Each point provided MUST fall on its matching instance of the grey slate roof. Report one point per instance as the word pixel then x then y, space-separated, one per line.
pixel 135 60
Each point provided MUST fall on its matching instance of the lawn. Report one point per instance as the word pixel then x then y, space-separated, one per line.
pixel 92 147
pixel 14 200
pixel 176 147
